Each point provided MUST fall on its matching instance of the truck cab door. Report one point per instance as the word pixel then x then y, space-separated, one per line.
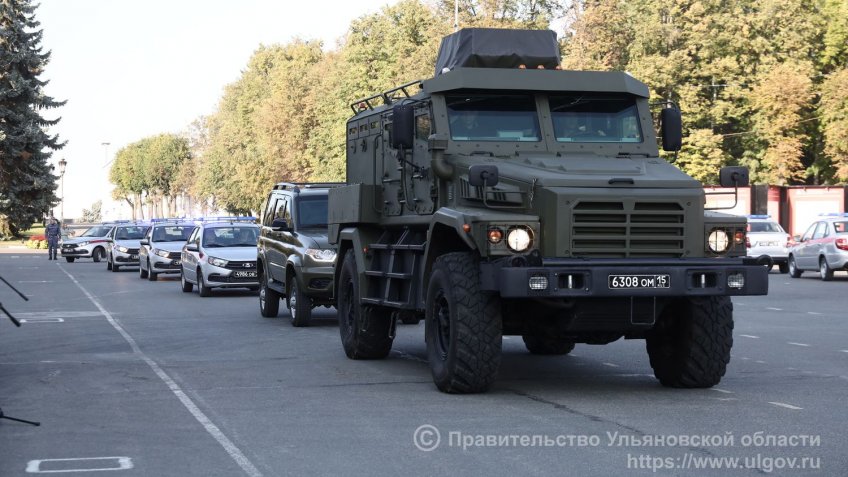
pixel 420 180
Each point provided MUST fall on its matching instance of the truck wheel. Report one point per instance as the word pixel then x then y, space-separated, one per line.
pixel 784 268
pixel 825 272
pixel 544 345
pixel 463 326
pixel 269 299
pixel 300 305
pixel 142 273
pixel 97 254
pixel 366 331
pixel 794 272
pixel 690 345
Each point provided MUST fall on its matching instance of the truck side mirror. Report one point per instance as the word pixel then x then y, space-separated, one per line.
pixel 481 175
pixel 671 129
pixel 733 176
pixel 403 126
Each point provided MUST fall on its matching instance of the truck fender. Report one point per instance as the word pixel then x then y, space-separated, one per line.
pixel 445 236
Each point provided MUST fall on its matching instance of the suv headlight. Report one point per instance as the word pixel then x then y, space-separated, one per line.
pixel 718 241
pixel 123 249
pixel 321 254
pixel 161 253
pixel 217 262
pixel 519 239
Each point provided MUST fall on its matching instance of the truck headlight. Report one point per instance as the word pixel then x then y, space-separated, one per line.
pixel 519 239
pixel 321 255
pixel 718 241
pixel 161 253
pixel 123 249
pixel 217 262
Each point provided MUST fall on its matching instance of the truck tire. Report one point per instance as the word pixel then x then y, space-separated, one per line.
pixel 544 345
pixel 300 305
pixel 366 331
pixel 463 326
pixel 690 345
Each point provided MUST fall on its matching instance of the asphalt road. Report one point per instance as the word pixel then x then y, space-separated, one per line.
pixel 141 378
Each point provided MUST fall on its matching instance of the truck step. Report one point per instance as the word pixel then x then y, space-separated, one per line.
pixel 378 273
pixel 390 246
pixel 381 302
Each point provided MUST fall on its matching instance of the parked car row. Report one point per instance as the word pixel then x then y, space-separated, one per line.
pixel 285 256
pixel 823 248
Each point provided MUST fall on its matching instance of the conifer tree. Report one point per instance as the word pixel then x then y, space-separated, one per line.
pixel 27 182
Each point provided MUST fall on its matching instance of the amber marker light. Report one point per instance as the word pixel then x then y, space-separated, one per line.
pixel 466 228
pixel 739 237
pixel 495 235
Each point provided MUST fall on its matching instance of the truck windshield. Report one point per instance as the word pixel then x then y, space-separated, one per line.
pixel 488 117
pixel 588 118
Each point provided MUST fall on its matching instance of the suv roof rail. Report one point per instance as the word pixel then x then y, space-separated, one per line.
pixel 295 186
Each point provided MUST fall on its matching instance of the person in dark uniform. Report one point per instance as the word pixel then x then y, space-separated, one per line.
pixel 53 233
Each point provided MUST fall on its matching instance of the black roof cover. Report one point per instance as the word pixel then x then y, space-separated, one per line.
pixel 498 48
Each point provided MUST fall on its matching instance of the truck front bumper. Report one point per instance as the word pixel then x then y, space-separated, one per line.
pixel 572 278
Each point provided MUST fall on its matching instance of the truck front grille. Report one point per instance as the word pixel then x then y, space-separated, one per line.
pixel 622 229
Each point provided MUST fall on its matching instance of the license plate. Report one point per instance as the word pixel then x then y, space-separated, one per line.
pixel 769 244
pixel 133 257
pixel 244 274
pixel 639 281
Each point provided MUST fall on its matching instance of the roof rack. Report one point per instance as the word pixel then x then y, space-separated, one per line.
pixel 389 96
pixel 296 186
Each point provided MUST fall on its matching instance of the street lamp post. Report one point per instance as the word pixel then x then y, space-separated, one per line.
pixel 62 165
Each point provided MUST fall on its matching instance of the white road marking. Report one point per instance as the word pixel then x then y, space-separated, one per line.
pixel 235 453
pixel 750 336
pixel 122 463
pixel 611 365
pixel 844 350
pixel 721 391
pixel 787 406
pixel 813 313
pixel 745 359
pixel 726 399
pixel 42 320
pixel 760 361
pixel 35 281
pixel 798 344
pixel 634 375
pixel 774 309
pixel 58 314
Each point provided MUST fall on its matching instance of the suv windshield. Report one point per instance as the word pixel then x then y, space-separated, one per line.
pixel 130 233
pixel 97 231
pixel 312 212
pixel 487 117
pixel 172 233
pixel 230 237
pixel 586 118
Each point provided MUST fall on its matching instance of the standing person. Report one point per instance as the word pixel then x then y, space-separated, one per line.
pixel 53 233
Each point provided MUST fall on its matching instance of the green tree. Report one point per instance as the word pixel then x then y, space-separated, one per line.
pixel 834 117
pixel 27 183
pixel 127 175
pixel 94 214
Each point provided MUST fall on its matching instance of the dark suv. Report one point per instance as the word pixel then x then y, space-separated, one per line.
pixel 295 260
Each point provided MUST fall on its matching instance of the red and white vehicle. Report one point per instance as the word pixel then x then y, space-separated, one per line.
pixel 823 247
pixel 92 243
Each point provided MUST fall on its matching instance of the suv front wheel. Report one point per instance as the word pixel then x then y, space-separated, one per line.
pixel 269 299
pixel 300 305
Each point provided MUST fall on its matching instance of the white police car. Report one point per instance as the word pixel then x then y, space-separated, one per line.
pixel 162 247
pixel 126 238
pixel 92 243
pixel 220 253
pixel 766 237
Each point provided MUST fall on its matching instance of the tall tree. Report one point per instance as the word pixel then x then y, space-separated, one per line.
pixel 27 183
pixel 834 116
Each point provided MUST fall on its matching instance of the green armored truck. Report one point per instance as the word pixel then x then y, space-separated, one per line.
pixel 504 196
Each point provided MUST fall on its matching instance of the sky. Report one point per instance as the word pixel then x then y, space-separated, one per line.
pixel 132 69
